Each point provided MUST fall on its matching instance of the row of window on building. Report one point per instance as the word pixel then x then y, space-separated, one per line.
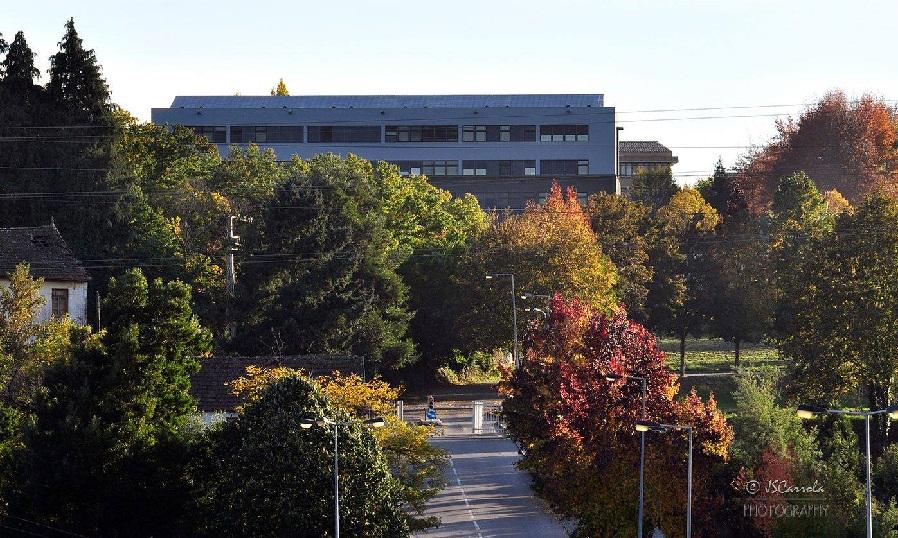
pixel 371 134
pixel 495 168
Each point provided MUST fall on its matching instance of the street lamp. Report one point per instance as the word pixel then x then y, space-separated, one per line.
pixel 306 423
pixel 808 411
pixel 527 295
pixel 644 381
pixel 648 425
pixel 514 313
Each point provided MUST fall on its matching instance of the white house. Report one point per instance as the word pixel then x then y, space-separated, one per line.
pixel 65 280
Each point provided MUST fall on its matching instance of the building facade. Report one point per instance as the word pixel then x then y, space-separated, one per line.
pixel 504 149
pixel 65 280
pixel 642 154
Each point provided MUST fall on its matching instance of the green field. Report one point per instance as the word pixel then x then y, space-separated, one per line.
pixel 706 355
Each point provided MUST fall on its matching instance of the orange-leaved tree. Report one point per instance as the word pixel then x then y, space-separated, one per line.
pixel 577 427
pixel 550 247
pixel 849 145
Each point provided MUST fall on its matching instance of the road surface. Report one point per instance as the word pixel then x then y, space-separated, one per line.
pixel 487 496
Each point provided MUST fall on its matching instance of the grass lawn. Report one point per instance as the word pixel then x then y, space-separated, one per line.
pixel 707 355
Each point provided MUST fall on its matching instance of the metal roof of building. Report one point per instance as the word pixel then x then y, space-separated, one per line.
pixel 390 101
pixel 44 250
pixel 642 146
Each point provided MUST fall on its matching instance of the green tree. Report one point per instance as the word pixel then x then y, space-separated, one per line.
pixel 799 216
pixel 843 328
pixel 76 83
pixel 435 228
pixel 26 349
pixel 739 292
pixel 622 228
pixel 717 188
pixel 324 278
pixel 677 293
pixel 266 476
pixel 106 452
pixel 653 187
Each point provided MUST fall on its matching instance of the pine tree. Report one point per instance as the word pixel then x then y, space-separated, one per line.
pixel 76 83
pixel 718 188
pixel 3 44
pixel 18 68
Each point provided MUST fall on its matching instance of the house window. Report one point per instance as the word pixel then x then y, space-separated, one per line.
pixel 582 168
pixel 626 169
pixel 59 301
pixel 564 133
pixel 474 168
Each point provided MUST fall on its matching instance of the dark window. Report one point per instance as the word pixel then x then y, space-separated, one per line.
pixel 344 134
pixel 564 167
pixel 284 134
pixel 499 168
pixel 498 133
pixel 564 133
pixel 59 302
pixel 216 135
pixel 421 133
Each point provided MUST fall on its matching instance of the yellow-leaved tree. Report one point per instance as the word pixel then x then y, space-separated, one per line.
pixel 550 248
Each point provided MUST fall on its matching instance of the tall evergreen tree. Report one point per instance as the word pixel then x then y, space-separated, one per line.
pixel 324 278
pixel 717 188
pixel 76 82
pixel 18 69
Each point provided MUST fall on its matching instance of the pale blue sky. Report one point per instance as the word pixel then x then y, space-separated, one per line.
pixel 642 54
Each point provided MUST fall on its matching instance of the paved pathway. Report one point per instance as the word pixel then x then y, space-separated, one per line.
pixel 487 496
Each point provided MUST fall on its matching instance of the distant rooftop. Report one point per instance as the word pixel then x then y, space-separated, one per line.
pixel 390 101
pixel 44 249
pixel 642 146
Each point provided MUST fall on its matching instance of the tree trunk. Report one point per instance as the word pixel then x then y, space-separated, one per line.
pixel 682 354
pixel 738 341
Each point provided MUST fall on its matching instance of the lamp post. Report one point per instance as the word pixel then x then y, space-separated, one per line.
pixel 810 411
pixel 514 313
pixel 644 382
pixel 377 422
pixel 648 425
pixel 527 295
pixel 540 310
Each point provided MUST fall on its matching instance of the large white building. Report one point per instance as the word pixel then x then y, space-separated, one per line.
pixel 43 249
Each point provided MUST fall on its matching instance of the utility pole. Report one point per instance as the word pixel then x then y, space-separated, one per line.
pixel 231 275
pixel 98 312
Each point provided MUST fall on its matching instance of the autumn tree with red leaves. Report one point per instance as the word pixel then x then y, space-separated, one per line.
pixel 841 144
pixel 577 431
